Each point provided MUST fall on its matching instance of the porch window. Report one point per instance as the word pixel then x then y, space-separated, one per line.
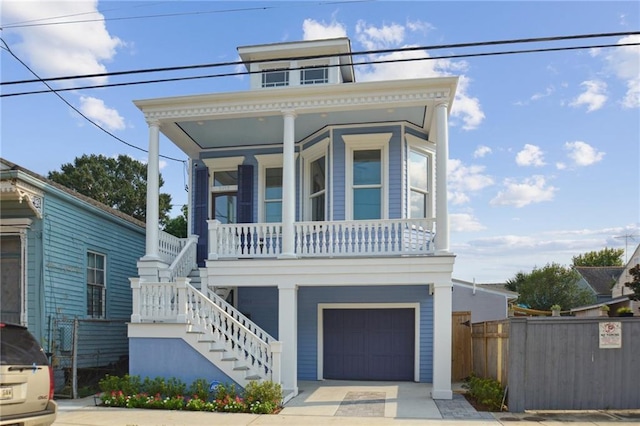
pixel 96 285
pixel 419 184
pixel 317 188
pixel 273 195
pixel 366 176
pixel 314 75
pixel 275 78
pixel 224 196
pixel 367 184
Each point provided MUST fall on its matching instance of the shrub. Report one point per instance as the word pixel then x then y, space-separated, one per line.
pixel 488 392
pixel 263 398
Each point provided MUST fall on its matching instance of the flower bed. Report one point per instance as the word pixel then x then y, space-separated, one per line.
pixel 132 392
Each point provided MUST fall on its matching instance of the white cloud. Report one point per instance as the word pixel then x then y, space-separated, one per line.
pixel 548 91
pixel 561 165
pixel 59 50
pixel 465 222
pixel 96 110
pixel 373 38
pixel 519 194
pixel 464 179
pixel 315 30
pixel 582 153
pixel 481 151
pixel 594 96
pixel 531 155
pixel 625 62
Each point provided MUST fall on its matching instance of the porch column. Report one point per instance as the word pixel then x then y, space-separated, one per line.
pixel 288 185
pixel 288 335
pixel 442 340
pixel 153 190
pixel 442 156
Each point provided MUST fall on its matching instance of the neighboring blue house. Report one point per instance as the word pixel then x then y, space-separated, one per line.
pixel 486 302
pixel 599 280
pixel 320 245
pixel 66 261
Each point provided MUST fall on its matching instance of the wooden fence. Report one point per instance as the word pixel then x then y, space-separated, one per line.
pixel 490 346
pixel 461 357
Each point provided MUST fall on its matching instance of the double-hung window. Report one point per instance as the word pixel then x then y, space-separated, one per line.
pixel 314 75
pixel 96 285
pixel 270 188
pixel 224 196
pixel 317 189
pixel 366 176
pixel 419 169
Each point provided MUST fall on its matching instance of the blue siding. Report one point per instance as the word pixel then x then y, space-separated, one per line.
pixel 153 357
pixel 310 297
pixel 260 304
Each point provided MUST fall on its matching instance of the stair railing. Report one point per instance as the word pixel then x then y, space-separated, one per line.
pixel 183 263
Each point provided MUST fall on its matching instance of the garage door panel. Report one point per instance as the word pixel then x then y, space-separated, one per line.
pixel 369 344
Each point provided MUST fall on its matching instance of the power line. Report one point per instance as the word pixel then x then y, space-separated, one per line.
pixel 371 62
pixel 352 54
pixel 55 92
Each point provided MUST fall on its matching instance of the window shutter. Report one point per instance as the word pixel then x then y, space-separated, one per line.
pixel 201 203
pixel 245 193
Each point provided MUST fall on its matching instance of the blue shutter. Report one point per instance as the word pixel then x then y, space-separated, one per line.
pixel 245 193
pixel 200 211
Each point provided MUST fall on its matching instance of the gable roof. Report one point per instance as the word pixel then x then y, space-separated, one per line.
pixel 600 278
pixel 497 289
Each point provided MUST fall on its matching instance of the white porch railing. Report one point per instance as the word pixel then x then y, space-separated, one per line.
pixel 322 239
pixel 181 302
pixel 183 263
pixel 169 246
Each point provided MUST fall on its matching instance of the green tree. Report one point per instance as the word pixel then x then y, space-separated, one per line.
pixel 634 284
pixel 120 183
pixel 604 257
pixel 177 226
pixel 552 285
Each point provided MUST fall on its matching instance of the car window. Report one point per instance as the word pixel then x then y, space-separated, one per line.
pixel 19 347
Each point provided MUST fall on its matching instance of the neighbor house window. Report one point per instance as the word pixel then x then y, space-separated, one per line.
pixel 275 78
pixel 96 285
pixel 314 75
pixel 366 176
pixel 419 184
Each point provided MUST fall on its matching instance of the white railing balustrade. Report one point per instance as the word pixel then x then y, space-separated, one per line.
pixel 169 246
pixel 322 239
pixel 180 302
pixel 183 263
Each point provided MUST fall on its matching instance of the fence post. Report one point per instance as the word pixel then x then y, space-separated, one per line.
pixel 74 361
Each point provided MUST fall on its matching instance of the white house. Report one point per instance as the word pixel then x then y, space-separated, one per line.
pixel 320 245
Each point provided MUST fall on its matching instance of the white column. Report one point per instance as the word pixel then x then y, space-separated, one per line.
pixel 288 185
pixel 153 191
pixel 288 335
pixel 442 341
pixel 442 156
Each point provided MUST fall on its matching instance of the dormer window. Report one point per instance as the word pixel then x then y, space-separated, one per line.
pixel 275 78
pixel 314 75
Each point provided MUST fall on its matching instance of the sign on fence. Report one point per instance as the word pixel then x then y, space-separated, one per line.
pixel 610 335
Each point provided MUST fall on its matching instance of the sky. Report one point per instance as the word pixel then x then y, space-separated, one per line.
pixel 544 148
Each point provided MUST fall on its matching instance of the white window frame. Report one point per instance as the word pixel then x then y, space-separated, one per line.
pixel 265 161
pixel 428 149
pixel 104 284
pixel 362 142
pixel 226 164
pixel 273 68
pixel 309 155
pixel 308 82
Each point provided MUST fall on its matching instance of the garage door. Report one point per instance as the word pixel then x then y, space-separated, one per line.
pixel 368 344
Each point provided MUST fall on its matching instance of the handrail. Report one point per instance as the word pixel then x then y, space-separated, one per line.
pixel 185 261
pixel 169 246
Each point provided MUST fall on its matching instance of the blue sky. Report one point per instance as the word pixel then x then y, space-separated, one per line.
pixel 544 147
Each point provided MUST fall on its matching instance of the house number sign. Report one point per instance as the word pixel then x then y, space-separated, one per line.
pixel 610 335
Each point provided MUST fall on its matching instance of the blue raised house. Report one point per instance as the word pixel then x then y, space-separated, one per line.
pixel 66 261
pixel 320 239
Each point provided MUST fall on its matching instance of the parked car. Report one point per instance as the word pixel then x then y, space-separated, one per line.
pixel 26 379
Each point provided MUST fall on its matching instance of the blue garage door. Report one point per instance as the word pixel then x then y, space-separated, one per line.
pixel 368 344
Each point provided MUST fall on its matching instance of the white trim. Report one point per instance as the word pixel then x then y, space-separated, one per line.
pixel 310 155
pixel 428 149
pixel 104 284
pixel 361 142
pixel 224 164
pixel 265 161
pixel 320 336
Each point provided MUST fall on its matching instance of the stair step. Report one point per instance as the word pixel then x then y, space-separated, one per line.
pixel 231 358
pixel 253 377
pixel 217 350
pixel 241 368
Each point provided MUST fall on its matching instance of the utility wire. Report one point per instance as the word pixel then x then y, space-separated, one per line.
pixel 6 47
pixel 168 15
pixel 372 62
pixel 352 54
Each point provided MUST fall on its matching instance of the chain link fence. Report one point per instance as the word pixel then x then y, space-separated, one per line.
pixel 83 351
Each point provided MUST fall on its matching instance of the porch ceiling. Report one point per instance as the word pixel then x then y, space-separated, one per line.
pixel 230 120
